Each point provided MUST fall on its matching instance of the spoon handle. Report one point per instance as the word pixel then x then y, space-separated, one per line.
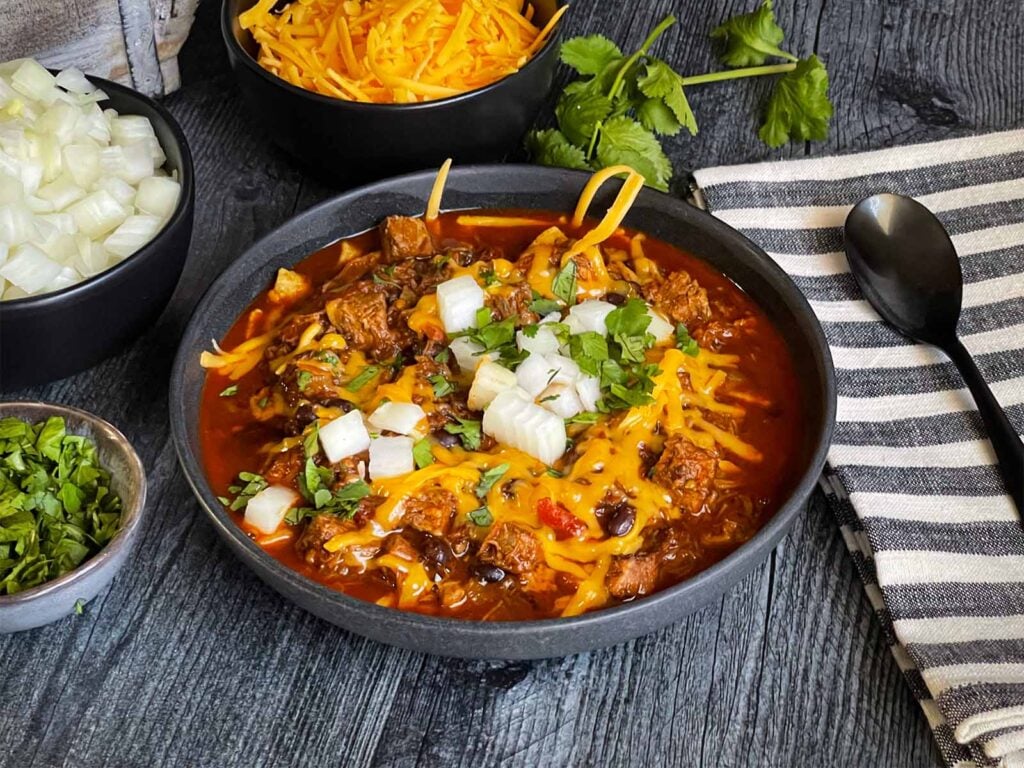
pixel 1008 447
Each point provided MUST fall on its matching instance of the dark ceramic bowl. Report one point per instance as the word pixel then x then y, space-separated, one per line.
pixel 48 337
pixel 343 142
pixel 56 599
pixel 507 186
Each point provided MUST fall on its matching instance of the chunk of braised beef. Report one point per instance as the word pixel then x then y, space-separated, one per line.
pixel 360 313
pixel 283 467
pixel 513 301
pixel 668 552
pixel 511 547
pixel 681 298
pixel 310 544
pixel 630 576
pixel 403 237
pixel 354 269
pixel 430 511
pixel 687 472
pixel 288 336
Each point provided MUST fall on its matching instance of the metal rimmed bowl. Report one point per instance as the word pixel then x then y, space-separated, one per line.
pixel 519 187
pixel 53 335
pixel 55 599
pixel 343 142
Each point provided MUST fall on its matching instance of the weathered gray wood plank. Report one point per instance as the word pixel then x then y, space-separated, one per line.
pixel 189 660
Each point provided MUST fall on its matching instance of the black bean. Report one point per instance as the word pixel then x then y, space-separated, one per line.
pixel 489 573
pixel 619 520
pixel 445 438
pixel 435 552
pixel 615 298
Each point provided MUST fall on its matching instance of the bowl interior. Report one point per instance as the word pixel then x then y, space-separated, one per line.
pixel 523 187
pixel 179 161
pixel 244 40
pixel 127 479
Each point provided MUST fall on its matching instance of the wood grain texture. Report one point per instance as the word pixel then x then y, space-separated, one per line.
pixel 188 660
pixel 135 42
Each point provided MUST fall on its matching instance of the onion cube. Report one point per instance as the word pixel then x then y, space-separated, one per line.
pixel 158 195
pixel 561 399
pixel 391 457
pixel 402 418
pixel 468 354
pixel 266 510
pixel 98 213
pixel 589 316
pixel 29 268
pixel 458 300
pixel 490 380
pixel 660 328
pixel 344 436
pixel 514 419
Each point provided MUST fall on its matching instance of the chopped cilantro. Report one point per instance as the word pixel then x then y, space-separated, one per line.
pixel 303 379
pixel 362 378
pixel 586 417
pixel 263 401
pixel 552 472
pixel 328 357
pixel 79 606
pixel 489 478
pixel 481 516
pixel 253 484
pixel 442 356
pixel 422 453
pixel 229 391
pixel 564 284
pixel 57 508
pixel 588 349
pixel 685 342
pixel 311 444
pixel 442 387
pixel 468 432
pixel 543 306
pixel 343 502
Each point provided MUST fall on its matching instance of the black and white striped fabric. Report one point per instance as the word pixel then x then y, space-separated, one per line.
pixel 912 476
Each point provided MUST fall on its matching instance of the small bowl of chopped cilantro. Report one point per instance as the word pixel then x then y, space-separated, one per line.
pixel 72 491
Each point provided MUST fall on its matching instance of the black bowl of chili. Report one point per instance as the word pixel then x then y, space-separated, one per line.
pixel 520 188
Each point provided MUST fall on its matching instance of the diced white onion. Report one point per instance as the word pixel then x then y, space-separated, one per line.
pixel 589 390
pixel 544 341
pixel 403 418
pixel 158 195
pixel 344 436
pixel 391 457
pixel 514 419
pixel 266 510
pixel 458 300
pixel 29 268
pixel 133 233
pixel 56 157
pixel 589 316
pixel 660 328
pixel 490 380
pixel 561 399
pixel 537 372
pixel 468 354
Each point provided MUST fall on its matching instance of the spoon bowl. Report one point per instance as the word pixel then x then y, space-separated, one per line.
pixel 906 265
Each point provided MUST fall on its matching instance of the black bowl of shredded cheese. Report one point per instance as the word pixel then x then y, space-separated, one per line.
pixel 72 490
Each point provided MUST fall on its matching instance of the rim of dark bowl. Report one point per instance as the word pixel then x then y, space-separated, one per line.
pixel 773 529
pixel 187 181
pixel 131 517
pixel 232 41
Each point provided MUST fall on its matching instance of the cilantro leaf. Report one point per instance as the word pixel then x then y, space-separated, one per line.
pixel 579 111
pixel 543 306
pixel 564 284
pixel 589 55
pixel 442 387
pixel 685 342
pixel 489 478
pixel 311 443
pixel 655 115
pixel 586 417
pixel 229 391
pixel 343 502
pixel 303 378
pixel 660 81
pixel 481 516
pixel 422 453
pixel 468 431
pixel 751 38
pixel 588 350
pixel 625 141
pixel 551 147
pixel 362 378
pixel 799 108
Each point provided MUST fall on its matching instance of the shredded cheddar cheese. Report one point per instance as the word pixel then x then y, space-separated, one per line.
pixel 394 51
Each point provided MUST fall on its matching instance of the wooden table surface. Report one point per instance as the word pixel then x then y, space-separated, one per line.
pixel 189 660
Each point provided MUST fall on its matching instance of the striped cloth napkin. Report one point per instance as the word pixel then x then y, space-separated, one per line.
pixel 911 476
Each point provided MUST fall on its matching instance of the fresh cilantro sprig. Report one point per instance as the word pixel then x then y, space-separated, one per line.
pixel 621 104
pixel 495 336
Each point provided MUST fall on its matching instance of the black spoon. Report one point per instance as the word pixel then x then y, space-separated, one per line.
pixel 907 267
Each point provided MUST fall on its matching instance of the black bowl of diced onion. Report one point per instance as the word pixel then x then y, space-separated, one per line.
pixel 55 325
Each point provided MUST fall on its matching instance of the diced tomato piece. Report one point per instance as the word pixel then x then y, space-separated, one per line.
pixel 563 522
